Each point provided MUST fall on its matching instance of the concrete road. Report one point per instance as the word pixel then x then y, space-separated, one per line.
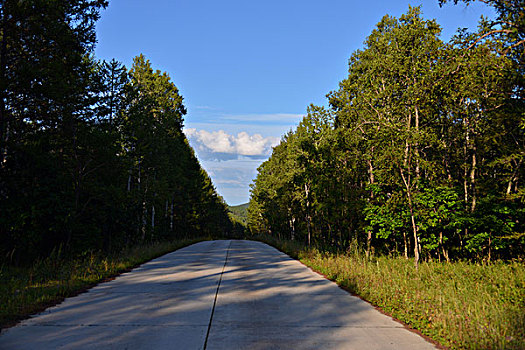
pixel 214 295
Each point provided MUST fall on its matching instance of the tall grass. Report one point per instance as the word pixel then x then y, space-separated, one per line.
pixel 25 291
pixel 461 305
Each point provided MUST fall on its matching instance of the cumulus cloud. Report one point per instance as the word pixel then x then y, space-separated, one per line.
pixel 222 146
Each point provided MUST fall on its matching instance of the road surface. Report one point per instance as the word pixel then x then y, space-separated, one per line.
pixel 214 295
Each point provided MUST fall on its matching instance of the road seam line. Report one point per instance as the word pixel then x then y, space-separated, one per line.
pixel 216 294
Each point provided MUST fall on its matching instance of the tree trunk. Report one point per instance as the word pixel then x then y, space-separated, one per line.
pixel 490 249
pixel 112 96
pixel 3 87
pixel 144 212
pixel 153 202
pixel 513 179
pixel 406 244
pixel 144 220
pixel 408 184
pixel 171 216
pixel 308 216
pixel 444 251
pixel 309 228
pixel 465 162
pixel 473 179
pixel 153 216
pixel 371 180
pixel 470 148
pixel 416 240
pixel 446 158
pixel 414 229
pixel 292 228
pixel 412 217
pixel 416 146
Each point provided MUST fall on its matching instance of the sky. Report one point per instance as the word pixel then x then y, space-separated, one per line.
pixel 249 69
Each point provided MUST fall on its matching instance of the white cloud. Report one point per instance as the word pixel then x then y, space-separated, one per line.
pixel 254 145
pixel 232 178
pixel 231 146
pixel 228 182
pixel 222 146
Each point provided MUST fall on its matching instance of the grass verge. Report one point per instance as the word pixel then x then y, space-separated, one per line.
pixel 25 291
pixel 460 305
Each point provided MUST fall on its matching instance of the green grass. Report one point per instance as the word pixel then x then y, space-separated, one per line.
pixel 25 291
pixel 461 305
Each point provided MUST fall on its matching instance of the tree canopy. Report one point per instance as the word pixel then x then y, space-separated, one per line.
pixel 92 154
pixel 420 152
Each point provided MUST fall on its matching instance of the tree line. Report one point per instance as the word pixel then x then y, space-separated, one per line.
pixel 419 152
pixel 92 155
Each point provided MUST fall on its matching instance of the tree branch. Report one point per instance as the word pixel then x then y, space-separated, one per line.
pixel 487 34
pixel 521 42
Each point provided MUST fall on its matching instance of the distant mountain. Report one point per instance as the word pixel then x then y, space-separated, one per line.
pixel 239 213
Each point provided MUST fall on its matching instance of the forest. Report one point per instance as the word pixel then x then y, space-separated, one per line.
pixel 92 154
pixel 419 152
pixel 417 158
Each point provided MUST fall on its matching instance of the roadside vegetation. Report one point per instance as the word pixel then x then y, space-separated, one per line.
pixel 461 305
pixel 419 153
pixel 407 189
pixel 30 289
pixel 96 174
pixel 92 153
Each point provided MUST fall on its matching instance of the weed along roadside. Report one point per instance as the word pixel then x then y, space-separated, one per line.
pixel 406 178
pixel 459 305
pixel 25 291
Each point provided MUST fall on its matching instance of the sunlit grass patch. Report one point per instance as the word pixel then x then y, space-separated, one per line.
pixel 461 305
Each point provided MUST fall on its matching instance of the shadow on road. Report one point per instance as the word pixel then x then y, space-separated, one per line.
pixel 265 300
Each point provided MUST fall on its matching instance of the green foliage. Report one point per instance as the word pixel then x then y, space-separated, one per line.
pixel 239 213
pixel 92 155
pixel 421 151
pixel 439 211
pixel 496 228
pixel 382 214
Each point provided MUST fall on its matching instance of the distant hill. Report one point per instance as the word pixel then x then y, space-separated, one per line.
pixel 239 213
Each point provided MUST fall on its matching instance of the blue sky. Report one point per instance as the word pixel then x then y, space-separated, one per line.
pixel 248 69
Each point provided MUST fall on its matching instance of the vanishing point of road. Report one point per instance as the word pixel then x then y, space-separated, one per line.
pixel 225 294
